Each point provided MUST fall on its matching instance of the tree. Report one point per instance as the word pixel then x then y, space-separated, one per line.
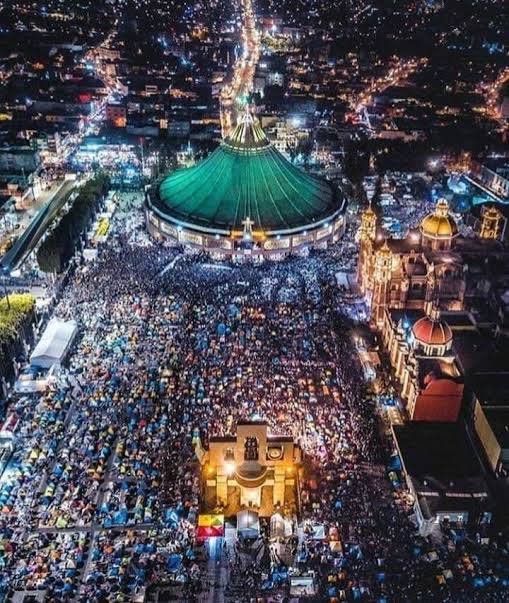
pixel 58 247
pixel 16 318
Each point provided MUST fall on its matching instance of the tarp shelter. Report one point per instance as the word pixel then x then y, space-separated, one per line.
pixel 90 254
pixel 342 279
pixel 32 380
pixel 248 524
pixel 54 343
pixel 318 532
pixel 288 527
pixel 174 563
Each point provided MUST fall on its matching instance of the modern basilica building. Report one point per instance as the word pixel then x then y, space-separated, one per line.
pixel 245 201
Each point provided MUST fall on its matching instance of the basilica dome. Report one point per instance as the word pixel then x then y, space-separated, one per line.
pixel 430 331
pixel 246 200
pixel 247 177
pixel 439 224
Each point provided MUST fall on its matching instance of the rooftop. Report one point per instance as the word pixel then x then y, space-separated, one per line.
pixel 440 452
pixel 247 177
pixel 492 387
pixel 441 466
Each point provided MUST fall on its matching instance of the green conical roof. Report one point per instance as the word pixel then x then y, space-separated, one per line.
pixel 246 177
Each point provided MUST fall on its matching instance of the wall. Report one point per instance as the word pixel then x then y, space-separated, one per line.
pixel 489 441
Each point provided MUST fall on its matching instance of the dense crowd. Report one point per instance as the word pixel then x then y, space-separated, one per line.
pixel 102 500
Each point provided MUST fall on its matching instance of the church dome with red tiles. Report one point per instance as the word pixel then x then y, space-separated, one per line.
pixel 432 331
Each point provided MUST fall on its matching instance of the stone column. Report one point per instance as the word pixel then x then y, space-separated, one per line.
pixel 222 489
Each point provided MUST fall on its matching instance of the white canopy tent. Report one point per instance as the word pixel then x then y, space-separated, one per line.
pixel 248 524
pixel 54 343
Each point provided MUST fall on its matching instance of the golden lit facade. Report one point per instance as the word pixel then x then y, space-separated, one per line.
pixel 491 222
pixel 413 272
pixel 416 276
pixel 366 238
pixel 251 470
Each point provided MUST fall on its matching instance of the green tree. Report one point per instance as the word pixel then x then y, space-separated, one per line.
pixel 58 247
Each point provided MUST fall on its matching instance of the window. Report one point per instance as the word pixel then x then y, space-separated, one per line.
pixel 251 449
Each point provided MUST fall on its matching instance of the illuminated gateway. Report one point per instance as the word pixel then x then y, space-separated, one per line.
pixel 246 200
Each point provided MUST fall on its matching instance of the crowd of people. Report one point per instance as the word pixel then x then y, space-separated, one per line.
pixel 101 500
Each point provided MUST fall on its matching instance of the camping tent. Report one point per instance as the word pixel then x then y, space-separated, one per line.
pixel 54 343
pixel 248 524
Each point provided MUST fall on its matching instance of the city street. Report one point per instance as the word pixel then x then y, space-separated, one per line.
pixel 41 221
pixel 235 93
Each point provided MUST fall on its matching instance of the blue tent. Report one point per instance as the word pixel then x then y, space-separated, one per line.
pixel 121 517
pixel 174 563
pixel 394 463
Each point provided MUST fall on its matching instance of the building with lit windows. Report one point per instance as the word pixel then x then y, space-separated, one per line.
pixel 493 223
pixel 245 201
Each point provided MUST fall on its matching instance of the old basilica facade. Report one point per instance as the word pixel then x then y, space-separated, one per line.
pixel 412 287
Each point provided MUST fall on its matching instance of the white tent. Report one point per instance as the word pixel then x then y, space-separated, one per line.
pixel 248 524
pixel 54 343
pixel 277 526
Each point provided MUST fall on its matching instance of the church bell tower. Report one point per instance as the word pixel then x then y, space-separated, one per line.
pixel 366 238
pixel 381 280
pixel 491 220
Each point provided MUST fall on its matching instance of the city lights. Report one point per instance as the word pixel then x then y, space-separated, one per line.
pixel 254 301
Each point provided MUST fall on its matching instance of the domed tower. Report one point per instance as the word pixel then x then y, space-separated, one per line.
pixel 381 279
pixel 367 229
pixel 438 229
pixel 491 220
pixel 434 394
pixel 366 237
pixel 432 335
